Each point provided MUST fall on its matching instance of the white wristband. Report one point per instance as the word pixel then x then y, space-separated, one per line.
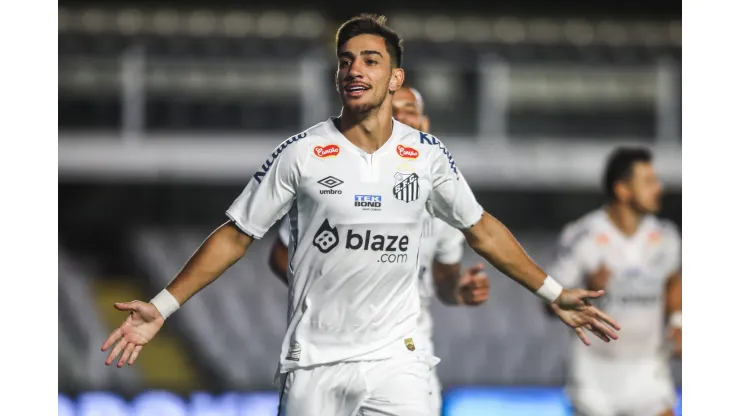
pixel 165 303
pixel 675 320
pixel 550 290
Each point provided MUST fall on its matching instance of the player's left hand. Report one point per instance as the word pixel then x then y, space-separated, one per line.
pixel 573 309
pixel 473 286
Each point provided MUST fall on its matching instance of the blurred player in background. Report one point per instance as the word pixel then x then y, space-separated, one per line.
pixel 636 257
pixel 351 343
pixel 439 254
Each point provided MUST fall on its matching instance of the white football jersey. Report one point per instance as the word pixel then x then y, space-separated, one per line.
pixel 356 221
pixel 640 266
pixel 439 242
pixel 444 244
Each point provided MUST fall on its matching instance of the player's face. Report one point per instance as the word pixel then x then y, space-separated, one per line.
pixel 645 188
pixel 364 76
pixel 407 109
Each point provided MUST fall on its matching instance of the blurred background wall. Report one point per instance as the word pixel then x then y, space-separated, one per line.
pixel 167 109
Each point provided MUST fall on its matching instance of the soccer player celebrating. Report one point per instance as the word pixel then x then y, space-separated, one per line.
pixel 351 343
pixel 625 249
pixel 440 251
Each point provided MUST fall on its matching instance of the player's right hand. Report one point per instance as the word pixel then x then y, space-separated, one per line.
pixel 140 327
pixel 573 308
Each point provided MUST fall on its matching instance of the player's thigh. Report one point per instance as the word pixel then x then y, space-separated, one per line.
pixel 399 387
pixel 590 402
pixel 589 388
pixel 652 392
pixel 334 390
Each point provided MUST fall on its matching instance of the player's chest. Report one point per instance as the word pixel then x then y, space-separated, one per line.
pixel 633 261
pixel 367 186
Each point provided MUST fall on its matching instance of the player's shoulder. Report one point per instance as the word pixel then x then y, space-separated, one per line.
pixel 293 150
pixel 663 228
pixel 416 144
pixel 305 141
pixel 583 229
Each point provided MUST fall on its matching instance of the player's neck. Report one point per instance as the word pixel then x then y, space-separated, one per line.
pixel 368 131
pixel 626 219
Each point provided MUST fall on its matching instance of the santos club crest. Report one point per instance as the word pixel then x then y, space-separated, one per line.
pixel 407 187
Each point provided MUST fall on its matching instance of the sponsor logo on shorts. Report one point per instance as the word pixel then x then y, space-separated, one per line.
pixel 409 344
pixel 407 152
pixel 330 150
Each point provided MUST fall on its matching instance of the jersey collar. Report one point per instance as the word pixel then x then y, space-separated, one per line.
pixel 396 133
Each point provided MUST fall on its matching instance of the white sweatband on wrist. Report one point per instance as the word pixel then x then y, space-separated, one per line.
pixel 675 320
pixel 165 303
pixel 550 290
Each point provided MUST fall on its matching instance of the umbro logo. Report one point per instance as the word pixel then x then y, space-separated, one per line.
pixel 331 183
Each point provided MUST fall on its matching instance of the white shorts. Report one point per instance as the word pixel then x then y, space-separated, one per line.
pixel 436 393
pixel 609 387
pixel 399 386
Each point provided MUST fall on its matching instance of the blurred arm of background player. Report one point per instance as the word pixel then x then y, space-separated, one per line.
pixel 453 288
pixel 673 311
pixel 469 288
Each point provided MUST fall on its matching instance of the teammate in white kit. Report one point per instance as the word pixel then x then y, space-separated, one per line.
pixel 351 346
pixel 636 257
pixel 440 251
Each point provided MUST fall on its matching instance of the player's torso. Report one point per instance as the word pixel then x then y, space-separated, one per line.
pixel 358 222
pixel 639 266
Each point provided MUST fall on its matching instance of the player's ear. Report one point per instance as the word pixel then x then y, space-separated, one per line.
pixel 425 124
pixel 397 77
pixel 621 191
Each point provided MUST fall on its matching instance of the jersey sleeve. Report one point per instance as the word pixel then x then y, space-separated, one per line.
pixel 284 231
pixel 567 268
pixel 451 198
pixel 270 193
pixel 449 247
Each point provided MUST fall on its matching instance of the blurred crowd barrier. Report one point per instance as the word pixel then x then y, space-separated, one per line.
pixel 170 69
pixel 177 94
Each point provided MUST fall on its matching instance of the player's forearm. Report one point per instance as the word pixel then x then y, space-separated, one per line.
pixel 446 277
pixel 493 241
pixel 673 298
pixel 221 250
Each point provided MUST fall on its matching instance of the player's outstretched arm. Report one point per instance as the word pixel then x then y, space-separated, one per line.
pixel 493 241
pixel 279 260
pixel 219 251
